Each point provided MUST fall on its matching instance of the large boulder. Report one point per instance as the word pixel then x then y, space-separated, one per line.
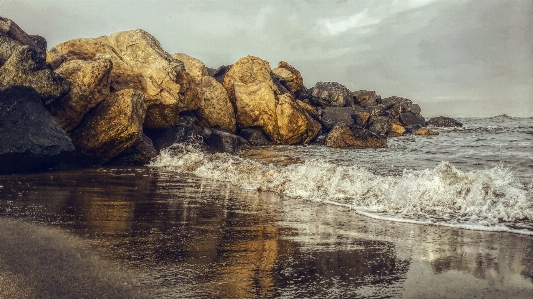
pixel 255 136
pixel 30 138
pixel 443 121
pixel 140 153
pixel 332 116
pixel 214 107
pixel 343 135
pixel 20 66
pixel 222 142
pixel 366 97
pixel 292 77
pixel 112 127
pixel 259 103
pixel 195 67
pixel 139 63
pixel 379 125
pixel 90 85
pixel 37 44
pixel 410 119
pixel 331 94
pixel 186 131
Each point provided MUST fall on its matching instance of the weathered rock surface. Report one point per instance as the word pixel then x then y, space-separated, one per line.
pixel 366 97
pixel 343 135
pixel 186 130
pixel 30 138
pixel 410 119
pixel 293 78
pixel 361 118
pixel 443 121
pixel 426 132
pixel 37 44
pixel 220 73
pixel 90 85
pixel 255 136
pixel 335 115
pixel 139 63
pixel 195 67
pixel 112 127
pixel 214 107
pixel 259 103
pixel 140 153
pixel 379 125
pixel 20 66
pixel 222 142
pixel 331 94
pixel 396 129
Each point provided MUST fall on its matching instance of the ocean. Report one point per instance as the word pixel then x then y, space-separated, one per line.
pixel 446 216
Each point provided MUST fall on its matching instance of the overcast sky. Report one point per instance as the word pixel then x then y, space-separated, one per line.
pixel 454 58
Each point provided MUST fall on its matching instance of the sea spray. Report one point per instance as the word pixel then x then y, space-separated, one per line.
pixel 442 195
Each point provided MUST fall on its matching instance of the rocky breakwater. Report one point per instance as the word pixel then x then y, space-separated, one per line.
pixel 122 98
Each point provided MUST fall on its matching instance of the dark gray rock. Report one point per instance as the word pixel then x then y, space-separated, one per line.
pixel 443 121
pixel 221 72
pixel 375 110
pixel 281 83
pixel 331 94
pixel 379 125
pixel 255 136
pixel 222 142
pixel 412 129
pixel 139 154
pixel 409 119
pixel 187 130
pixel 332 116
pixel 30 138
pixel 366 97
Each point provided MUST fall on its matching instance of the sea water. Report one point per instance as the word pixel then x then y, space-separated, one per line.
pixel 479 176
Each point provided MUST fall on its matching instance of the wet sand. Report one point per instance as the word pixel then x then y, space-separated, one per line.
pixel 140 233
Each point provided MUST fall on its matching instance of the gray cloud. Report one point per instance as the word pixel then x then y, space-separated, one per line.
pixel 461 58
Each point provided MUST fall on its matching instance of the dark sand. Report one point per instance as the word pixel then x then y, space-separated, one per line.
pixel 136 233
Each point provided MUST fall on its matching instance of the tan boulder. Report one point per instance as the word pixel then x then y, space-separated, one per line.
pixel 259 103
pixel 139 63
pixel 112 127
pixel 215 108
pixel 90 85
pixel 195 67
pixel 343 136
pixel 426 132
pixel 294 79
pixel 396 129
pixel 365 97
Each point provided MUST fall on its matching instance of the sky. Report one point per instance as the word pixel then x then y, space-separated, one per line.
pixel 454 58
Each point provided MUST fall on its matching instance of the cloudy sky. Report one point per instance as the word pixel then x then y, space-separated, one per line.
pixel 454 58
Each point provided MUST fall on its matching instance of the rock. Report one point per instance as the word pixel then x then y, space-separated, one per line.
pixel 375 110
pixel 398 105
pixel 222 142
pixel 310 109
pixel 335 115
pixel 90 85
pixel 410 119
pixel 220 73
pixel 37 44
pixel 30 138
pixel 379 125
pixel 361 118
pixel 292 76
pixel 215 108
pixel 396 129
pixel 412 129
pixel 139 63
pixel 21 67
pixel 195 67
pixel 280 83
pixel 331 94
pixel 366 97
pixel 255 136
pixel 425 132
pixel 112 127
pixel 140 153
pixel 185 131
pixel 259 103
pixel 343 135
pixel 443 121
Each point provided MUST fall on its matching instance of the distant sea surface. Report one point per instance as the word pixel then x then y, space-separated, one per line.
pixel 447 216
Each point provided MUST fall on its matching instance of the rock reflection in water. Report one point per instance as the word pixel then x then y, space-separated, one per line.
pixel 193 238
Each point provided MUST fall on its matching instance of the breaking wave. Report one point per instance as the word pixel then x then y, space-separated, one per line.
pixel 491 199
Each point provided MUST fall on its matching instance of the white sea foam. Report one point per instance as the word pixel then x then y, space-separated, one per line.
pixel 482 199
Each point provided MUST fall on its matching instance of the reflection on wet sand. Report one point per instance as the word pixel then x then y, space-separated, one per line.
pixel 195 238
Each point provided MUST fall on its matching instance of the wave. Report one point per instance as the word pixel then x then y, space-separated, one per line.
pixel 491 199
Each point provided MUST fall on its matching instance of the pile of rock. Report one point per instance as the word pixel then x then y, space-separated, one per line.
pixel 121 98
